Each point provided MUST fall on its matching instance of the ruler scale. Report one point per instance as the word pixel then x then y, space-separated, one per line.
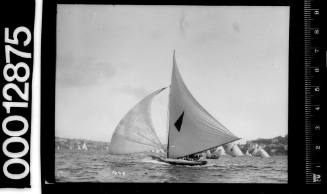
pixel 312 75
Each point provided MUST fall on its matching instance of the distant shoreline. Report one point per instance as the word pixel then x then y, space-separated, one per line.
pixel 274 147
pixel 277 146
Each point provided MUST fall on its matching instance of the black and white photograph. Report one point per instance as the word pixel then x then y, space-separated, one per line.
pixel 177 94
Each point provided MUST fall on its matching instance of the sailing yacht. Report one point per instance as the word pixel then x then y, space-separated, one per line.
pixel 247 153
pixel 233 150
pixel 259 151
pixel 220 151
pixel 84 147
pixel 192 129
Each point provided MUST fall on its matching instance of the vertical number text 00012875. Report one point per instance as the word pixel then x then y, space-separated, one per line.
pixel 10 74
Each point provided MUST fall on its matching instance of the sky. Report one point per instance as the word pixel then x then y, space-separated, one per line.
pixel 234 61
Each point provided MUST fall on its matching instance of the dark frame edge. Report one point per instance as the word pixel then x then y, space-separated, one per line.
pixel 295 118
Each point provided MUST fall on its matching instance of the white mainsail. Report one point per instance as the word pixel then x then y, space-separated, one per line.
pixel 135 132
pixel 191 128
pixel 259 151
pixel 220 151
pixel 233 150
pixel 263 153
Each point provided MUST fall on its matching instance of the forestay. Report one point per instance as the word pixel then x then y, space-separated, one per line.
pixel 135 132
pixel 191 128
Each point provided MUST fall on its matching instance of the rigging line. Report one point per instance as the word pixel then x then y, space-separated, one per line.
pixel 150 118
pixel 150 140
pixel 216 132
pixel 135 141
pixel 215 128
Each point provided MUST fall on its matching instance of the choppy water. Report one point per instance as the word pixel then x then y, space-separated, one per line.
pixel 92 166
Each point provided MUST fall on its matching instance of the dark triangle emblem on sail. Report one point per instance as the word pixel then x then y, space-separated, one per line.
pixel 178 123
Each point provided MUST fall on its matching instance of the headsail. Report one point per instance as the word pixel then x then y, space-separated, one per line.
pixel 191 128
pixel 135 132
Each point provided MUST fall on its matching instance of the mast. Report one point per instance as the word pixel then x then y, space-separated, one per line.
pixel 168 137
pixel 169 106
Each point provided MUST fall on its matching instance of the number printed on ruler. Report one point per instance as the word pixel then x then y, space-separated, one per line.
pixel 16 75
